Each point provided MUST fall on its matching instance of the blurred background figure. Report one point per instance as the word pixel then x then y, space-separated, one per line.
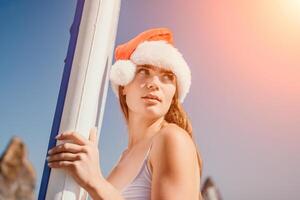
pixel 210 191
pixel 17 175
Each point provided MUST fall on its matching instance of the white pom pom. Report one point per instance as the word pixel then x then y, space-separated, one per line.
pixel 122 72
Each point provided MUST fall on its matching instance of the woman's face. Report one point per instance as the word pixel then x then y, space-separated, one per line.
pixel 151 91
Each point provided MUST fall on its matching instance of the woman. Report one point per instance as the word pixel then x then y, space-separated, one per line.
pixel 151 79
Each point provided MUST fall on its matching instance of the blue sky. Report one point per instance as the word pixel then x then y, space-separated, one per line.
pixel 243 103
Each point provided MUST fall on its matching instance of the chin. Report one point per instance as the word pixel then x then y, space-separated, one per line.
pixel 153 112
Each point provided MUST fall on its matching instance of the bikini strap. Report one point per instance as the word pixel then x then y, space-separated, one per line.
pixel 148 152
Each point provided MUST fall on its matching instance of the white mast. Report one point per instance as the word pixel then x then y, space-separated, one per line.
pixel 85 96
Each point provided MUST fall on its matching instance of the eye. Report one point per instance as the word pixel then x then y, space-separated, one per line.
pixel 143 71
pixel 169 77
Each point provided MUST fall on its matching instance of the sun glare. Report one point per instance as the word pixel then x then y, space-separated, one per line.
pixel 291 10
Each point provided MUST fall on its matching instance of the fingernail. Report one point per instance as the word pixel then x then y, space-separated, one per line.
pixel 57 136
pixel 47 158
pixel 50 151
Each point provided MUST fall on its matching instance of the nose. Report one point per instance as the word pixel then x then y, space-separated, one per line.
pixel 153 83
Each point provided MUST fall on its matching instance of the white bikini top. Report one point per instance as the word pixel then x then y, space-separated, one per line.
pixel 140 187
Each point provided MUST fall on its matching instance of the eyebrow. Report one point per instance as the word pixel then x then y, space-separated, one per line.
pixel 160 69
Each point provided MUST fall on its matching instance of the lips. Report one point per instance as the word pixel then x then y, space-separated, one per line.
pixel 151 96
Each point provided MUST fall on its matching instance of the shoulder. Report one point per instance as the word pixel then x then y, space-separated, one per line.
pixel 173 148
pixel 174 136
pixel 174 159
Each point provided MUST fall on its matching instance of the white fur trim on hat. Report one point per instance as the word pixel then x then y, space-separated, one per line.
pixel 158 53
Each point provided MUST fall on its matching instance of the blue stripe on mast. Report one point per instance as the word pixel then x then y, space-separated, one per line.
pixel 74 30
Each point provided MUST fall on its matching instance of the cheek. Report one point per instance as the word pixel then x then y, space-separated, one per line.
pixel 132 95
pixel 169 93
pixel 139 80
pixel 129 98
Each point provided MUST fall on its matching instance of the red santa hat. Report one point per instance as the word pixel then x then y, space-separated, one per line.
pixel 152 47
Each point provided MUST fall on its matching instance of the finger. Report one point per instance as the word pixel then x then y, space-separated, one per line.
pixel 93 135
pixel 75 137
pixel 63 156
pixel 66 147
pixel 61 164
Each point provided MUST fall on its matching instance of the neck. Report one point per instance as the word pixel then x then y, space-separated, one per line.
pixel 140 128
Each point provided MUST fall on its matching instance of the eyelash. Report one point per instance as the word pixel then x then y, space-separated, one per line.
pixel 169 76
pixel 146 71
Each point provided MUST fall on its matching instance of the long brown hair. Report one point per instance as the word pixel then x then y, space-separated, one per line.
pixel 175 114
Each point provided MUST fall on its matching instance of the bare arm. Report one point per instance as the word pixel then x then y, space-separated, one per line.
pixel 175 167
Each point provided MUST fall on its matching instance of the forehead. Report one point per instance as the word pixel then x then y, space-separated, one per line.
pixel 155 68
